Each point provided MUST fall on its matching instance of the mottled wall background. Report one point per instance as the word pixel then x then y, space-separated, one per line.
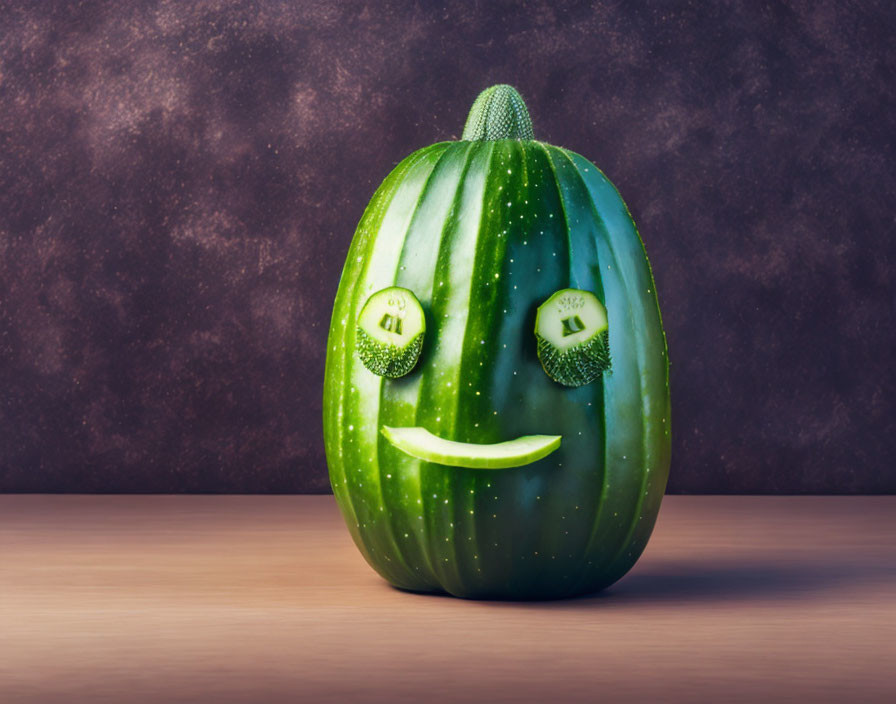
pixel 179 183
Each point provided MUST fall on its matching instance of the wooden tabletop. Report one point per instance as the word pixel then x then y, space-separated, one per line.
pixel 265 599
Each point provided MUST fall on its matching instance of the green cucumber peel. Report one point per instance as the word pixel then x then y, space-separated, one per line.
pixel 422 444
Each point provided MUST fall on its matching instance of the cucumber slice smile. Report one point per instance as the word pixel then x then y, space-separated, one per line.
pixel 422 444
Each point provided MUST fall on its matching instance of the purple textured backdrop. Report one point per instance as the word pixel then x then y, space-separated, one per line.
pixel 179 183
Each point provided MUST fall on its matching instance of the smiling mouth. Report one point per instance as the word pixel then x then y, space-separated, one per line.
pixel 422 444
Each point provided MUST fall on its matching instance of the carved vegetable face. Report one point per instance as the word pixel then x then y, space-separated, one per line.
pixel 496 402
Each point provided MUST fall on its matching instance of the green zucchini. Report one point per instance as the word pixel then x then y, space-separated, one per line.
pixel 483 231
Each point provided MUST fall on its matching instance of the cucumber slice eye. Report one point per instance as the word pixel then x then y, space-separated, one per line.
pixel 390 332
pixel 572 333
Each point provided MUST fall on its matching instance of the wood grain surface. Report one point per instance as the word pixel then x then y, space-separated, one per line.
pixel 265 599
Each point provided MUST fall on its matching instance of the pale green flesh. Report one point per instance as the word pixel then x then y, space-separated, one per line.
pixel 422 444
pixel 571 329
pixel 390 332
pixel 570 318
pixel 393 316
